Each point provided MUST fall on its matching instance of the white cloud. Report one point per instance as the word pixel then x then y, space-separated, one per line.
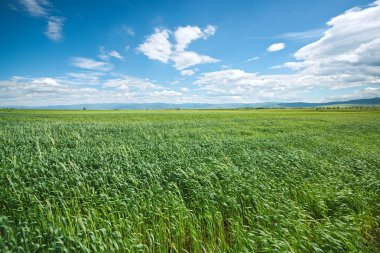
pixel 252 59
pixel 105 54
pixel 209 30
pixel 277 67
pixel 185 59
pixel 350 45
pixel 167 93
pixel 39 91
pixel 348 55
pixel 47 81
pixel 54 28
pixel 251 86
pixel 311 34
pixel 228 76
pixel 369 92
pixel 65 90
pixel 35 7
pixel 87 63
pixel 88 77
pixel 184 35
pixel 127 83
pixel 40 8
pixel 276 47
pixel 158 46
pixel 372 91
pixel 129 30
pixel 224 67
pixel 187 72
pixel 115 54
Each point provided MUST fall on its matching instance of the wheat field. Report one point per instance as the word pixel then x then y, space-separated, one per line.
pixel 190 181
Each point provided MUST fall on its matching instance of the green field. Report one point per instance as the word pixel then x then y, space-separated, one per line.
pixel 190 181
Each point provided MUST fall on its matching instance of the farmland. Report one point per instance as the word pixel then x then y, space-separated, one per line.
pixel 190 181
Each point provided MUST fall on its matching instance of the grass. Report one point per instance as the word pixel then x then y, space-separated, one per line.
pixel 190 181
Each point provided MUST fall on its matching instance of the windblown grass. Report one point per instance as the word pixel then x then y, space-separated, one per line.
pixel 190 181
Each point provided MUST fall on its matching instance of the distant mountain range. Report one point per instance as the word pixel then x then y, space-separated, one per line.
pixel 145 106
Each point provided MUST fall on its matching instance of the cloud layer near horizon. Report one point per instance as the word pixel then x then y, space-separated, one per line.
pixel 346 56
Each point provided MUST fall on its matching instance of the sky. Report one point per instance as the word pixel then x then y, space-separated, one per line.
pixel 59 52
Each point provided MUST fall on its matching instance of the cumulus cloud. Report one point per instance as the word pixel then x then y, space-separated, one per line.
pixel 350 45
pixel 158 46
pixel 276 47
pixel 87 63
pixel 185 59
pixel 185 35
pixel 226 77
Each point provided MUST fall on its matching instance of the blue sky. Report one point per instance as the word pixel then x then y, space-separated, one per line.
pixel 69 52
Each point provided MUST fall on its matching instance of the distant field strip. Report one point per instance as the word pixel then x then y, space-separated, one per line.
pixel 190 181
